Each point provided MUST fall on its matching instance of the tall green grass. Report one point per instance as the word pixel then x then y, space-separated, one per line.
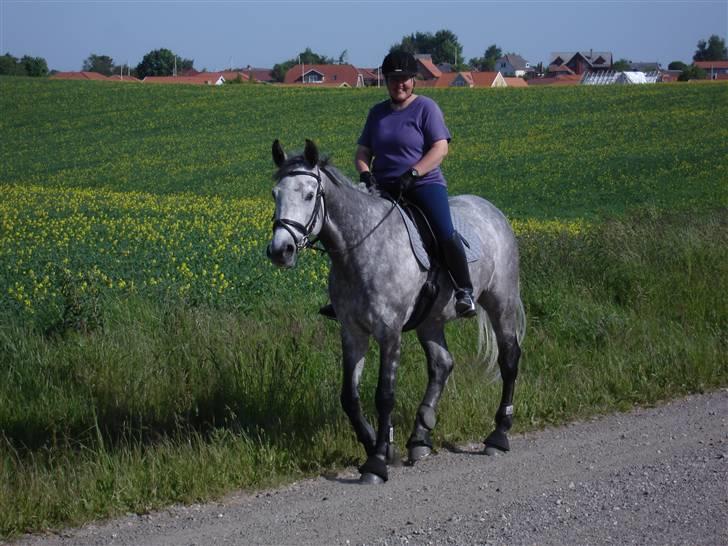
pixel 168 404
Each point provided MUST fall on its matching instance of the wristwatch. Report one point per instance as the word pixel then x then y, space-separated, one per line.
pixel 413 172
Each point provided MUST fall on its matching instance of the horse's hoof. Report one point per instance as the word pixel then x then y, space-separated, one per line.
pixel 491 451
pixel 367 478
pixel 417 453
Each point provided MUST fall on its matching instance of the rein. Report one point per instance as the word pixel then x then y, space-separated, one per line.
pixel 304 241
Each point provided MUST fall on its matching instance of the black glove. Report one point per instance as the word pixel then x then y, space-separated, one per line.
pixel 367 178
pixel 407 180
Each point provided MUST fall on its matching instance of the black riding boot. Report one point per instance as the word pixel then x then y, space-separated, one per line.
pixel 453 252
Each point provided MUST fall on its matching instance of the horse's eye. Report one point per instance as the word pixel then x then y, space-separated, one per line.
pixel 309 196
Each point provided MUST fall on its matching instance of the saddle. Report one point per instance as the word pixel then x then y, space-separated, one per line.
pixel 425 247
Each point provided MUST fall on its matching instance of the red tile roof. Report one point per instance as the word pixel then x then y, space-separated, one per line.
pixel 194 80
pixel 334 75
pixel 516 82
pixel 79 76
pixel 430 68
pixel 707 65
pixel 484 79
pixel 124 78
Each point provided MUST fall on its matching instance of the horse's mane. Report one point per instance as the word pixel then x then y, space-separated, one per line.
pixel 325 164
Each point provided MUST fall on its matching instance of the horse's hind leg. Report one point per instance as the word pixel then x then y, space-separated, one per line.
pixel 505 320
pixel 439 366
pixel 354 346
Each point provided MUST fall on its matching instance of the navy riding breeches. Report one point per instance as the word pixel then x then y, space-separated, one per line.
pixel 432 199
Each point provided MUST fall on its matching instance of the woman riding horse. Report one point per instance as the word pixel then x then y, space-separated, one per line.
pixel 400 151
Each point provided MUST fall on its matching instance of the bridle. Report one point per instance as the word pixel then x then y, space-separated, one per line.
pixel 304 230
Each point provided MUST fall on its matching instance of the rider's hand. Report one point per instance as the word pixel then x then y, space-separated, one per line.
pixel 407 180
pixel 367 178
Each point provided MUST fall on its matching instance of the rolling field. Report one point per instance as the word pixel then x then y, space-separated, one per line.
pixel 150 354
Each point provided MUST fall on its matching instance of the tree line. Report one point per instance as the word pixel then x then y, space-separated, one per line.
pixel 443 46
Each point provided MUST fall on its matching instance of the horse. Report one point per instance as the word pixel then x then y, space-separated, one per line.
pixel 374 282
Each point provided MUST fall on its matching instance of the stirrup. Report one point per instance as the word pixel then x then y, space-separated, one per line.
pixel 328 312
pixel 464 304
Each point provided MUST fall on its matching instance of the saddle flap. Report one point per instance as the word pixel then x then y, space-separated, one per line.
pixel 423 243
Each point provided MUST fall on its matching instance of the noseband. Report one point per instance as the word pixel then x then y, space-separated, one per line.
pixel 304 230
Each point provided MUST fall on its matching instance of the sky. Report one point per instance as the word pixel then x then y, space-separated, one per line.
pixel 220 34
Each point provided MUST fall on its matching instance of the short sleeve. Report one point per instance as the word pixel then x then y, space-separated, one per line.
pixel 366 135
pixel 433 124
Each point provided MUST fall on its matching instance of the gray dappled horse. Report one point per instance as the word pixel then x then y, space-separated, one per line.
pixel 374 282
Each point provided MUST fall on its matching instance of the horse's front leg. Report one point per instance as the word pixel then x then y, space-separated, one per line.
pixel 375 468
pixel 354 344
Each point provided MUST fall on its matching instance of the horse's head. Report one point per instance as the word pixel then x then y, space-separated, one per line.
pixel 298 194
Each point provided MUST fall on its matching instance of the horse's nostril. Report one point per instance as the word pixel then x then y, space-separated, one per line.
pixel 290 249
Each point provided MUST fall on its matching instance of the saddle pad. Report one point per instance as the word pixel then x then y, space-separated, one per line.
pixel 472 250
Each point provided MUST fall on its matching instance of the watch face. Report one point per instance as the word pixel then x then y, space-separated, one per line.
pixel 414 173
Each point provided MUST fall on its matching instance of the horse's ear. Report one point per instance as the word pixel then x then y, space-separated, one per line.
pixel 310 153
pixel 279 156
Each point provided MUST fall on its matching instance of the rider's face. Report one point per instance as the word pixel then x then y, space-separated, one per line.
pixel 400 87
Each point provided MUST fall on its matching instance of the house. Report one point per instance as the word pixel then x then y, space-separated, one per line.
pixel 513 65
pixel 124 78
pixel 324 75
pixel 426 69
pixel 372 76
pixel 465 79
pixel 515 82
pixel 645 67
pixel 79 76
pixel 713 68
pixel 667 76
pixel 581 61
pixel 263 75
pixel 201 78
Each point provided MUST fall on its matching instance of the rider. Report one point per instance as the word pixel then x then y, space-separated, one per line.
pixel 407 139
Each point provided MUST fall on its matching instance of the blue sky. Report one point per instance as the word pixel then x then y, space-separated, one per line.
pixel 264 33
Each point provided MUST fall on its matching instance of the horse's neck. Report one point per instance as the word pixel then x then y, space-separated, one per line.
pixel 351 219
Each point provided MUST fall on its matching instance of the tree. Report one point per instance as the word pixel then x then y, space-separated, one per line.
pixel 443 46
pixel 10 66
pixel 677 65
pixel 35 66
pixel 161 62
pixel 692 72
pixel 621 65
pixel 714 50
pixel 343 57
pixel 306 57
pixel 103 64
pixel 486 63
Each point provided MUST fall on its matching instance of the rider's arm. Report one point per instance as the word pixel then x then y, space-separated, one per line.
pixel 362 159
pixel 432 158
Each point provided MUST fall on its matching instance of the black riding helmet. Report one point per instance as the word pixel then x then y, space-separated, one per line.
pixel 399 63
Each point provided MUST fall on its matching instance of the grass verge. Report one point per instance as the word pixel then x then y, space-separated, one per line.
pixel 168 403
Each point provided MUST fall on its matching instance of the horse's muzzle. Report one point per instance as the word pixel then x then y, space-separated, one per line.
pixel 282 255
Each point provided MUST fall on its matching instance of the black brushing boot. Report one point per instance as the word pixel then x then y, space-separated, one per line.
pixel 453 252
pixel 328 311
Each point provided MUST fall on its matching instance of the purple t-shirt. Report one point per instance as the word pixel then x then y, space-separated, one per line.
pixel 399 139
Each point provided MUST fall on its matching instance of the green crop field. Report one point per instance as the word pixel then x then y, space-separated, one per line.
pixel 150 354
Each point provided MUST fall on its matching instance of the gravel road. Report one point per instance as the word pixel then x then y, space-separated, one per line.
pixel 651 476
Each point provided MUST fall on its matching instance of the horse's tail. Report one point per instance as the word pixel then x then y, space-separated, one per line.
pixel 487 342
